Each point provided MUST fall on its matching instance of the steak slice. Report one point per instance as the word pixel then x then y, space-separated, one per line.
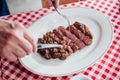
pixel 74 39
pixel 84 29
pixel 87 38
pixel 76 32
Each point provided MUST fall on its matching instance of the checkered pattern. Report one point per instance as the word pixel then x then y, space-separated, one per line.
pixel 107 68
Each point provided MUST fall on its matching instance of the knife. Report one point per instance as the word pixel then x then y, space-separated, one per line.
pixel 41 46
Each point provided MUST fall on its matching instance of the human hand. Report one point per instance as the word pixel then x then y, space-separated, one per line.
pixel 15 41
pixel 55 2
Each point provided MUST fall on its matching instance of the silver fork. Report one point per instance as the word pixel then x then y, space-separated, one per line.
pixel 64 16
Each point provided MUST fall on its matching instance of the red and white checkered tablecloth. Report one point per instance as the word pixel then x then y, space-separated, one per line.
pixel 107 68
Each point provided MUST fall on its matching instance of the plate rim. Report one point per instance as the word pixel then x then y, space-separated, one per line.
pixel 56 75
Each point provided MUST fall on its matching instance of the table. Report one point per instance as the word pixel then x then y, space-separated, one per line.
pixel 107 68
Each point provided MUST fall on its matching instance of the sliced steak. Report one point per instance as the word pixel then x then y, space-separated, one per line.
pixel 72 38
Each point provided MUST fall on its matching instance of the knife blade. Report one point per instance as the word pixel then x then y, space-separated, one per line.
pixel 41 46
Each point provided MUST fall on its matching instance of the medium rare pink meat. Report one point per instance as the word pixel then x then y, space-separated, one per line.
pixel 66 33
pixel 68 41
pixel 76 32
pixel 73 47
pixel 72 38
pixel 81 36
pixel 80 44
pixel 63 38
pixel 87 40
pixel 58 34
pixel 83 28
pixel 79 26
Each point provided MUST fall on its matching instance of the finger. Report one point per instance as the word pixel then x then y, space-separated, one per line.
pixel 8 24
pixel 57 3
pixel 18 25
pixel 28 37
pixel 3 41
pixel 31 41
pixel 14 48
pixel 18 51
pixel 18 38
pixel 5 35
pixel 8 55
pixel 49 2
pixel 25 45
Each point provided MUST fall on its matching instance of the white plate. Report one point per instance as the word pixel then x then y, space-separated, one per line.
pixel 102 32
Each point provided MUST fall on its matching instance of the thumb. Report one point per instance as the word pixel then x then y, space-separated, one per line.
pixel 57 3
pixel 53 2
